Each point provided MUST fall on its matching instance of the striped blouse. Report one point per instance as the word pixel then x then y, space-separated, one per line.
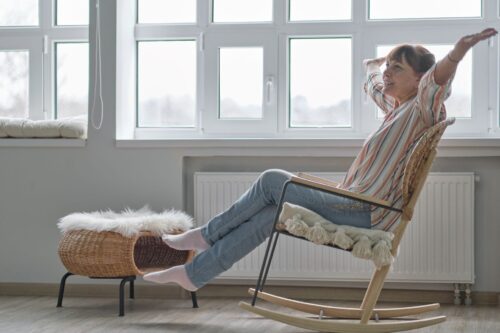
pixel 378 168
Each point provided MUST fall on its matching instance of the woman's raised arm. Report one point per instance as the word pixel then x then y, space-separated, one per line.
pixel 447 66
pixel 374 85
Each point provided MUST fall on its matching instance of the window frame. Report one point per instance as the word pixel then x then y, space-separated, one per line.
pixel 40 41
pixel 366 34
pixel 210 122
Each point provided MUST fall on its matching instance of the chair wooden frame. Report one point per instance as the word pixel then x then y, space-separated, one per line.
pixel 366 318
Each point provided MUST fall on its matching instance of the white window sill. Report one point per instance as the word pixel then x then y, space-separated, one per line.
pixel 41 142
pixel 449 147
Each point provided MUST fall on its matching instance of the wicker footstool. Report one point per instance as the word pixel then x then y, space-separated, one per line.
pixel 111 255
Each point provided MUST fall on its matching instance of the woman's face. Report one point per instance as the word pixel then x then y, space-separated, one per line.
pixel 400 80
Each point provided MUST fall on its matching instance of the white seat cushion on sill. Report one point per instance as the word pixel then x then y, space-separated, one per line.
pixel 371 244
pixel 74 128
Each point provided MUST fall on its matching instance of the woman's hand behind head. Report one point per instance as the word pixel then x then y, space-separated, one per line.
pixel 376 62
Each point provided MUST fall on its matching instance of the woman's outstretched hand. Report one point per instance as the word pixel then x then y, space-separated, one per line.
pixel 448 65
pixel 465 43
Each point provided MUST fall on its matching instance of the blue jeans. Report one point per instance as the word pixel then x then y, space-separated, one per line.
pixel 249 221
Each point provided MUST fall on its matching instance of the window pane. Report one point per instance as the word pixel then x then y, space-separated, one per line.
pixel 459 104
pixel 320 82
pixel 240 82
pixel 411 9
pixel 18 13
pixel 14 84
pixel 72 75
pixel 167 84
pixel 242 11
pixel 72 12
pixel 167 11
pixel 320 10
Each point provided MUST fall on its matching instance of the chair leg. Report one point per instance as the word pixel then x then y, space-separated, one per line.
pixel 373 292
pixel 268 256
pixel 61 289
pixel 265 262
pixel 194 300
pixel 275 241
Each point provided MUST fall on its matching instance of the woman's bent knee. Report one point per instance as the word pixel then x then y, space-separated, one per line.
pixel 274 177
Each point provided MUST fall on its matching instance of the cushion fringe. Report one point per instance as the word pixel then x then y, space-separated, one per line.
pixel 375 245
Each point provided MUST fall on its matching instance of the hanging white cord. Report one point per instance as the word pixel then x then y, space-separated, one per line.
pixel 98 70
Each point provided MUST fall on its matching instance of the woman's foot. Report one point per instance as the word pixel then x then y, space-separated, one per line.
pixel 176 274
pixel 190 240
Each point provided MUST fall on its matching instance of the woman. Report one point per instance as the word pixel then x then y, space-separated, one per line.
pixel 411 92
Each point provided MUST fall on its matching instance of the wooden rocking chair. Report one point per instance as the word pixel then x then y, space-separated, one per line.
pixel 366 318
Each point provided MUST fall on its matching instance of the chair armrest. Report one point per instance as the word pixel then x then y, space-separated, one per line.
pixel 344 193
pixel 317 179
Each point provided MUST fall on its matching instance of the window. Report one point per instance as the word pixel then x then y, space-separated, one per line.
pixel 72 71
pixel 43 58
pixel 320 89
pixel 19 13
pixel 240 83
pixel 167 89
pixel 14 83
pixel 71 12
pixel 319 10
pixel 287 68
pixel 423 9
pixel 167 11
pixel 242 11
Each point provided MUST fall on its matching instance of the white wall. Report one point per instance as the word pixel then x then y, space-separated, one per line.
pixel 40 185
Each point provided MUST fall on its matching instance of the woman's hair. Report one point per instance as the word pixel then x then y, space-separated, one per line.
pixel 417 56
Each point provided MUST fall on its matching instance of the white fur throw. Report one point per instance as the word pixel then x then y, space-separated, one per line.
pixel 128 222
pixel 364 243
pixel 62 128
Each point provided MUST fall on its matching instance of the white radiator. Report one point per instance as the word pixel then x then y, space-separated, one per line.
pixel 437 246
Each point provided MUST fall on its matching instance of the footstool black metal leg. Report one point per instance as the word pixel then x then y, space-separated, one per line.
pixel 132 295
pixel 61 289
pixel 122 306
pixel 122 293
pixel 194 299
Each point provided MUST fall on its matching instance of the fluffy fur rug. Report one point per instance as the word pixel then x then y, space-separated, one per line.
pixel 128 222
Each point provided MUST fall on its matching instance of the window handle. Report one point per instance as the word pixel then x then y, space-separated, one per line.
pixel 201 42
pixel 269 88
pixel 45 44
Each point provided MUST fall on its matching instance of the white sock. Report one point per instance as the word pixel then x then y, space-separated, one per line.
pixel 176 274
pixel 190 240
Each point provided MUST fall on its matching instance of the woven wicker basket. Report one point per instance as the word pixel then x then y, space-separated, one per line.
pixel 110 254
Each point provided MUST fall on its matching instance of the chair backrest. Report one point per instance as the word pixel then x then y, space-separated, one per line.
pixel 416 170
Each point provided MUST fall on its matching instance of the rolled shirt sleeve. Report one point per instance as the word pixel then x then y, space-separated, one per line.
pixel 374 86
